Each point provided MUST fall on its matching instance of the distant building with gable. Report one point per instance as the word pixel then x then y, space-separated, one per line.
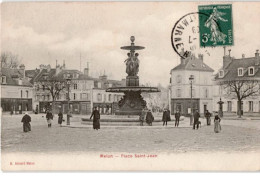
pixel 16 90
pixel 180 86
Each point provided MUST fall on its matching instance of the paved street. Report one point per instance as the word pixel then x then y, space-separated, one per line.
pixel 236 135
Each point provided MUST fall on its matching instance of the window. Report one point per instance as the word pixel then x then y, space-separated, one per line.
pixel 99 97
pixel 3 81
pixel 251 106
pixel 251 71
pixel 83 96
pixel 115 98
pixel 229 104
pixel 240 71
pixel 178 79
pixel 178 93
pixel 43 98
pixel 105 97
pixel 75 86
pixel 43 87
pixel 27 93
pixel 21 93
pixel 206 93
pixel 221 73
pixel 109 97
pixel 74 96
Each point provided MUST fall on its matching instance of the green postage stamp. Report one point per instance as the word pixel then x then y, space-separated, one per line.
pixel 216 29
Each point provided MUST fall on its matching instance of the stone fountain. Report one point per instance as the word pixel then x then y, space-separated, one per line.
pixel 132 102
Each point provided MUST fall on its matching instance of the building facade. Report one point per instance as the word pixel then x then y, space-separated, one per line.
pixel 85 92
pixel 16 91
pixel 106 102
pixel 180 87
pixel 244 69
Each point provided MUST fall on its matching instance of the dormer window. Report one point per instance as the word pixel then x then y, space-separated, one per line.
pixel 251 71
pixel 3 80
pixel 221 73
pixel 240 71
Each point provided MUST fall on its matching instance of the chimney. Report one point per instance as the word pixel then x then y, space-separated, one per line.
pixel 257 54
pixel 64 64
pixel 224 50
pixel 227 59
pixel 86 70
pixel 200 57
pixel 243 56
pixel 22 68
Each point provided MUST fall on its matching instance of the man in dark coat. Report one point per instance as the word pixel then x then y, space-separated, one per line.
pixel 177 118
pixel 149 118
pixel 26 122
pixel 208 115
pixel 166 117
pixel 196 119
pixel 60 119
pixel 49 118
pixel 96 123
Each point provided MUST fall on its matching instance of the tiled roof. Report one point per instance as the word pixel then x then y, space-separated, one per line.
pixel 193 64
pixel 12 76
pixel 231 71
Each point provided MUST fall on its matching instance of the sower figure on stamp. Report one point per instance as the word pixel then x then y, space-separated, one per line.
pixel 196 119
pixel 49 118
pixel 96 118
pixel 216 35
pixel 142 116
pixel 177 118
pixel 26 122
pixel 217 127
pixel 208 115
pixel 149 118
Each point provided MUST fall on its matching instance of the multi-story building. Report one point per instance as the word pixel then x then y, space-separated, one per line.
pixel 180 88
pixel 85 92
pixel 16 90
pixel 106 102
pixel 239 70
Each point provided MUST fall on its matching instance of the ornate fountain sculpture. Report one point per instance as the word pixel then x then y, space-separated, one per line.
pixel 132 102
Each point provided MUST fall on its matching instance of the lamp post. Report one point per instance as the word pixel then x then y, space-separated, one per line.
pixel 68 98
pixel 191 78
pixel 220 111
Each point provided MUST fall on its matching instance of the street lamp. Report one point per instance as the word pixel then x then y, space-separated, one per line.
pixel 191 78
pixel 68 82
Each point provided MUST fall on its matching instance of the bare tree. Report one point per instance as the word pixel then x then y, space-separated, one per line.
pixel 9 60
pixel 241 89
pixel 54 86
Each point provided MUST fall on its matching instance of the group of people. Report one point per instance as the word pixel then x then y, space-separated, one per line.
pixel 49 117
pixel 144 116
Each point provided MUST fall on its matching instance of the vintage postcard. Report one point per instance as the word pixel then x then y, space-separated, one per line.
pixel 130 86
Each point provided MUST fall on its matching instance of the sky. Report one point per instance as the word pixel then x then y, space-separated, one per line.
pixel 41 33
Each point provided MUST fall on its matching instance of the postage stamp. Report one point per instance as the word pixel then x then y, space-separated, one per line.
pixel 217 29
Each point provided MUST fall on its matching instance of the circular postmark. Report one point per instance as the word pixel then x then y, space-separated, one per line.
pixel 185 36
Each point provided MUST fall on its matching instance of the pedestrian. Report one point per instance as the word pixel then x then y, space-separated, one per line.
pixel 177 118
pixel 142 116
pixel 149 118
pixel 196 119
pixel 217 127
pixel 166 116
pixel 96 119
pixel 26 122
pixel 208 115
pixel 49 118
pixel 60 119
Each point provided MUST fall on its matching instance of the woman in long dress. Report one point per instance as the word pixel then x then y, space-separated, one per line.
pixel 96 117
pixel 217 126
pixel 149 118
pixel 26 122
pixel 60 119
